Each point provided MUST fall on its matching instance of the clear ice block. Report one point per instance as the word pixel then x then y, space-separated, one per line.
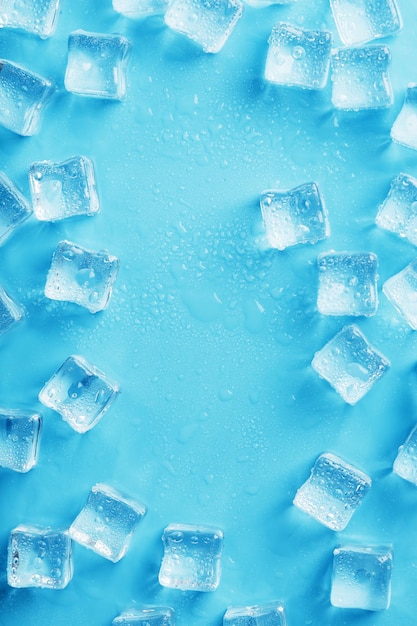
pixel 347 283
pixel 404 129
pixel 333 492
pixel 191 560
pixel 295 216
pixel 207 22
pixel 297 57
pixel 34 16
pixel 360 78
pixel 137 9
pixel 401 291
pixel 153 616
pixel 361 578
pixel 97 65
pixel 14 208
pixel 10 312
pixel 405 464
pixel 270 614
pixel 39 557
pixel 82 276
pixel 350 364
pixel 360 21
pixel 107 522
pixel 19 439
pixel 398 212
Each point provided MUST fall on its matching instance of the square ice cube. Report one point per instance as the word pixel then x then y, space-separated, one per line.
pixel 401 291
pixel 97 65
pixel 23 97
pixel 347 283
pixel 360 78
pixel 361 578
pixel 153 616
pixel 405 464
pixel 107 522
pixel 19 439
pixel 10 312
pixel 404 129
pixel 350 364
pixel 61 190
pixel 333 492
pixel 39 557
pixel 82 276
pixel 398 212
pixel 14 208
pixel 80 393
pixel 34 16
pixel 136 9
pixel 297 57
pixel 270 614
pixel 360 21
pixel 191 560
pixel 207 22
pixel 295 216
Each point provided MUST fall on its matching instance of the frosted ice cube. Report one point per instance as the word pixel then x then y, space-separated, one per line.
pixel 401 291
pixel 19 439
pixel 61 190
pixel 97 65
pixel 39 557
pixel 107 522
pixel 207 22
pixel 333 492
pixel 82 276
pixel 14 208
pixel 405 464
pixel 398 212
pixel 404 129
pixel 23 97
pixel 361 578
pixel 270 614
pixel 10 312
pixel 80 393
pixel 350 364
pixel 34 16
pixel 136 9
pixel 155 616
pixel 359 21
pixel 191 560
pixel 297 57
pixel 360 78
pixel 347 283
pixel 295 216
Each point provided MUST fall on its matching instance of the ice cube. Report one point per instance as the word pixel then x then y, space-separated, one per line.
pixel 401 291
pixel 333 492
pixel 61 190
pixel 34 16
pixel 360 21
pixel 10 312
pixel 350 364
pixel 97 65
pixel 347 283
pixel 191 560
pixel 295 216
pixel 360 78
pixel 270 614
pixel 23 98
pixel 297 57
pixel 404 129
pixel 154 616
pixel 207 22
pixel 405 464
pixel 80 393
pixel 398 212
pixel 19 439
pixel 136 9
pixel 39 557
pixel 14 208
pixel 361 578
pixel 82 276
pixel 107 522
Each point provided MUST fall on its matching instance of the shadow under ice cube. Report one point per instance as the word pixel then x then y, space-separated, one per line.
pixel 10 312
pixel 405 464
pixel 155 616
pixel 398 212
pixel 34 16
pixel 401 291
pixel 14 208
pixel 270 614
pixel 19 439
pixel 360 21
pixel 136 9
pixel 404 129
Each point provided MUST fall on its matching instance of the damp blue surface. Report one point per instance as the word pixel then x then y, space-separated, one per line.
pixel 209 334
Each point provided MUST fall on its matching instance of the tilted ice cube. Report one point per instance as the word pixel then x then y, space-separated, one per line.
pixel 361 578
pixel 347 283
pixel 207 22
pixel 405 464
pixel 82 276
pixel 360 78
pixel 359 21
pixel 14 208
pixel 350 364
pixel 34 16
pixel 80 393
pixel 154 616
pixel 294 216
pixel 10 312
pixel 61 190
pixel 401 291
pixel 107 522
pixel 298 58
pixel 333 492
pixel 23 97
pixel 97 65
pixel 136 9
pixel 404 129
pixel 270 614
pixel 19 439
pixel 398 212
pixel 39 557
pixel 191 560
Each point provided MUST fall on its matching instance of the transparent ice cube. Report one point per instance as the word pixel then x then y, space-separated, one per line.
pixel 10 312
pixel 361 578
pixel 360 78
pixel 350 364
pixel 97 65
pixel 405 464
pixel 61 190
pixel 80 393
pixel 153 616
pixel 398 212
pixel 107 522
pixel 19 439
pixel 207 22
pixel 191 560
pixel 295 216
pixel 136 9
pixel 34 16
pixel 347 283
pixel 297 57
pixel 333 492
pixel 270 614
pixel 401 291
pixel 82 276
pixel 14 208
pixel 360 21
pixel 39 557
pixel 404 129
